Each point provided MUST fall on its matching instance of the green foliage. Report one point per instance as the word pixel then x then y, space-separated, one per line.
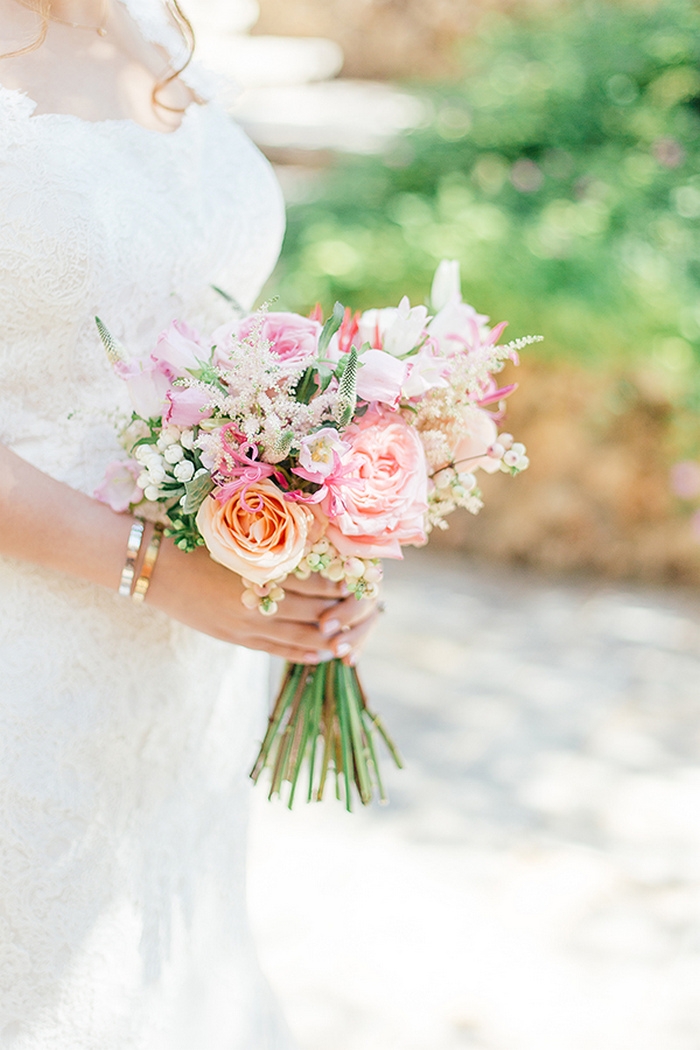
pixel 562 172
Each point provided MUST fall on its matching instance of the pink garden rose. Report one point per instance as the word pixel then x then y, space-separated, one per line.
pixel 294 338
pixel 384 506
pixel 119 489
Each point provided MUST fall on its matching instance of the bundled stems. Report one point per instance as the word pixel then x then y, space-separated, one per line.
pixel 323 709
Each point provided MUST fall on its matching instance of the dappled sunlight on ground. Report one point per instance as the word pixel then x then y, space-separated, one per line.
pixel 534 883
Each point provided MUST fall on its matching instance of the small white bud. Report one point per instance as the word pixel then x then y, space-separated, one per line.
pixel 511 458
pixel 142 453
pixel 322 547
pixel 518 448
pixel 143 479
pixel 276 594
pixel 354 567
pixel 169 436
pixel 268 609
pixel 496 451
pixel 184 471
pixel 152 493
pixel 187 439
pixel 373 573
pixel 443 478
pixel 467 481
pixel 335 571
pixel 250 600
pixel 173 453
pixel 506 440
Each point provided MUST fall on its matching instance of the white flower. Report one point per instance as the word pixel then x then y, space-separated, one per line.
pixel 187 439
pixel 425 372
pixel 173 454
pixel 156 473
pixel 142 453
pixel 447 285
pixel 184 471
pixel 398 330
pixel 152 493
pixel 168 436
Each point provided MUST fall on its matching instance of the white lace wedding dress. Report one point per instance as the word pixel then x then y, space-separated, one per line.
pixel 125 738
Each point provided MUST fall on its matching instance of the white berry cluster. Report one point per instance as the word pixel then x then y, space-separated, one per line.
pixel 361 576
pixel 264 597
pixel 167 464
pixel 452 489
pixel 512 454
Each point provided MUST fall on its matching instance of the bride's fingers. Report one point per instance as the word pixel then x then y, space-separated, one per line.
pixel 344 615
pixel 297 608
pixel 288 652
pixel 350 643
pixel 288 634
pixel 316 586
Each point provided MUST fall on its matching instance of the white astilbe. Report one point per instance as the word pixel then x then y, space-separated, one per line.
pixel 439 416
pixel 255 392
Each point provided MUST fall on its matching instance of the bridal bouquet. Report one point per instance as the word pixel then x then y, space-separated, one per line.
pixel 289 446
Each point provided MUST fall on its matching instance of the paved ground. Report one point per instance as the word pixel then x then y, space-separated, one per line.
pixel 534 883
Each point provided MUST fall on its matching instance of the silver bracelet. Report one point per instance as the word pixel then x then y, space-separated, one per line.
pixel 133 547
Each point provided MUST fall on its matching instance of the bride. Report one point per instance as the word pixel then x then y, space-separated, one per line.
pixel 125 731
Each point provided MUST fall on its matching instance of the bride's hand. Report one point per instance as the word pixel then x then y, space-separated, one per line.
pixel 315 621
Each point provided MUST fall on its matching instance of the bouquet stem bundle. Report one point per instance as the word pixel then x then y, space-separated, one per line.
pixel 321 715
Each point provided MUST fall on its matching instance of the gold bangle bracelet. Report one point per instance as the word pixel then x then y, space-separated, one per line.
pixel 149 561
pixel 133 547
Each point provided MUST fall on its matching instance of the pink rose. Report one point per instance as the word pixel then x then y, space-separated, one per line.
pixel 187 406
pixel 259 534
pixel 478 434
pixel 379 377
pixel 178 349
pixel 119 488
pixel 385 506
pixel 294 338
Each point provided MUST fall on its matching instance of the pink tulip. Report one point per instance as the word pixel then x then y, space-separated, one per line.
pixel 187 406
pixel 178 349
pixel 380 377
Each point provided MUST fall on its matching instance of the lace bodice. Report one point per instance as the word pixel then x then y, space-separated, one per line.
pixel 124 737
pixel 113 219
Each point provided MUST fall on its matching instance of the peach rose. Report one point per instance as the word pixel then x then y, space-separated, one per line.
pixel 385 507
pixel 262 543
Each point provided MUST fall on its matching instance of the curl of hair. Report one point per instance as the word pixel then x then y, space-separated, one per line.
pixel 43 9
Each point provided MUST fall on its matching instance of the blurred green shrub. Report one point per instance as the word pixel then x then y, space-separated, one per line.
pixel 563 172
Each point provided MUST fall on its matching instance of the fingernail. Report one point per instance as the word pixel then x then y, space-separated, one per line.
pixel 329 627
pixel 343 649
pixel 321 657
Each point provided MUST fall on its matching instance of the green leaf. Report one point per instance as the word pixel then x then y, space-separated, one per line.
pixel 330 328
pixel 196 491
pixel 230 299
